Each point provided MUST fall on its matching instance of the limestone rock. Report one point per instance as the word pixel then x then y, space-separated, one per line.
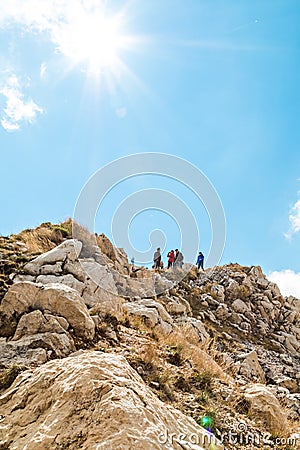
pixel 91 401
pixel 86 275
pixel 239 306
pixel 209 300
pixel 35 322
pixel 232 290
pixel 251 369
pixel 106 246
pixel 132 287
pixel 75 268
pixel 67 250
pixel 152 313
pixel 222 312
pixel 265 408
pixel 175 305
pixel 33 350
pixel 194 328
pixel 218 291
pixel 67 279
pixel 163 284
pixel 52 269
pixel 21 354
pixel 22 277
pixel 56 299
pixel 292 343
pixel 287 383
pixel 292 403
pixel 141 272
pixel 100 275
pixel 116 255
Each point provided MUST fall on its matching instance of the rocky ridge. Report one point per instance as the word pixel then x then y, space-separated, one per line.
pixel 222 344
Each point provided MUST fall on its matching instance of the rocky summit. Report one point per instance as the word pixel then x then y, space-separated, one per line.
pixel 98 354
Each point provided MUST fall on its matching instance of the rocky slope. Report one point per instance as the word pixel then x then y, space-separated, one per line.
pixel 94 354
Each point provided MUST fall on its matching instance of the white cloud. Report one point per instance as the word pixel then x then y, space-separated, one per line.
pixel 9 126
pixel 17 109
pixel 294 218
pixel 39 15
pixel 79 29
pixel 288 282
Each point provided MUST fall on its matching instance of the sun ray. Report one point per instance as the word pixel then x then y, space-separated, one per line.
pixel 92 38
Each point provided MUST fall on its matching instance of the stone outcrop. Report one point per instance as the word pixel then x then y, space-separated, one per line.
pixel 193 328
pixel 244 300
pixel 92 279
pixel 85 294
pixel 95 276
pixel 91 401
pixel 151 313
pixel 250 367
pixel 266 409
pixel 56 299
pixel 38 321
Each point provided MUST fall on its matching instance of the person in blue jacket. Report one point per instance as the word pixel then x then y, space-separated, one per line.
pixel 200 261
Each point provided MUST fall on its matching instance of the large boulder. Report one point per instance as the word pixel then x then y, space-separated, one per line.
pixel 92 401
pixel 62 265
pixel 56 299
pixel 265 408
pixel 68 280
pixel 250 367
pixel 37 322
pixel 132 287
pixel 35 349
pixel 100 275
pixel 21 353
pixel 67 250
pixel 150 313
pixel 194 328
pixel 176 305
pixel 239 306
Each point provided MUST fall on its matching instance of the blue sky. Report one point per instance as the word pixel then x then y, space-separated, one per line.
pixel 84 82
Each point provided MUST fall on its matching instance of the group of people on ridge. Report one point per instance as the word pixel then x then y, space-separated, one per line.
pixel 175 259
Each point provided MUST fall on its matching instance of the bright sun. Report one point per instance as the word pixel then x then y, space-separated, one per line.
pixel 93 40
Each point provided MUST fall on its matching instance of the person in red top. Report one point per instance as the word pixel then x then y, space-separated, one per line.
pixel 171 259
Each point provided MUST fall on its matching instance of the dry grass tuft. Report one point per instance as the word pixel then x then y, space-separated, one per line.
pixel 197 354
pixel 148 363
pixel 149 354
pixel 45 237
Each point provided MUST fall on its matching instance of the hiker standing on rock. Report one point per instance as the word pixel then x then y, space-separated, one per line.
pixel 200 261
pixel 157 259
pixel 171 259
pixel 178 259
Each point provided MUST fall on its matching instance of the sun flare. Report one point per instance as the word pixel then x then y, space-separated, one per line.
pixel 93 41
